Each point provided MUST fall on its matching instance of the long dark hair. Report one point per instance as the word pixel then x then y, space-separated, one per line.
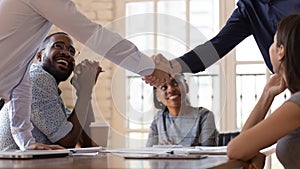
pixel 288 35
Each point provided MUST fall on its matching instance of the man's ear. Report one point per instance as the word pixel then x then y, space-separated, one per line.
pixel 39 56
pixel 281 53
pixel 157 96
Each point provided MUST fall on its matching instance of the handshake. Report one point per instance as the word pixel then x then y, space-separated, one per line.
pixel 164 69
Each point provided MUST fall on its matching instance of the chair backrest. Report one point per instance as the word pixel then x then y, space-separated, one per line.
pixel 225 137
pixel 2 102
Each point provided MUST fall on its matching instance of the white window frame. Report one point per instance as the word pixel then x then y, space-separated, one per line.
pixel 228 64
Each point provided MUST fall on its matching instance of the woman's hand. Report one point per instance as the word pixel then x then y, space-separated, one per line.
pixel 257 162
pixel 275 85
pixel 167 142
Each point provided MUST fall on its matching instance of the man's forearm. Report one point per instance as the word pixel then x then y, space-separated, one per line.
pixel 85 137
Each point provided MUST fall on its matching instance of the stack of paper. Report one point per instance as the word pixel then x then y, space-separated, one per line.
pixel 89 151
pixel 146 150
pixel 207 150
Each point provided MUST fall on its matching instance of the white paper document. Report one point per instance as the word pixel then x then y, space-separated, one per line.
pixel 86 150
pixel 207 150
pixel 146 150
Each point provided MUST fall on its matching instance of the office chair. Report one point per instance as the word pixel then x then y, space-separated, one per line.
pixel 225 137
pixel 2 102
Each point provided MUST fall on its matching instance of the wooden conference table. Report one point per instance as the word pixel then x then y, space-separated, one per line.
pixel 116 161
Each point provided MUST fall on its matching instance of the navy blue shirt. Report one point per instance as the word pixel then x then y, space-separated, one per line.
pixel 252 17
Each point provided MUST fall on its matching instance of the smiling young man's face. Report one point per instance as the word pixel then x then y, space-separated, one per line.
pixel 57 58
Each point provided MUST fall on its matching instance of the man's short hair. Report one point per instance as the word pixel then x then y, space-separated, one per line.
pixel 46 40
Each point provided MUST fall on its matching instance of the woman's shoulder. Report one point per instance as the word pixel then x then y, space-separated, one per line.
pixel 203 110
pixel 160 113
pixel 295 98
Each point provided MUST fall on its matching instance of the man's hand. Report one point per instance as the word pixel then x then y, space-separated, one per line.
pixel 85 75
pixel 99 70
pixel 161 73
pixel 40 146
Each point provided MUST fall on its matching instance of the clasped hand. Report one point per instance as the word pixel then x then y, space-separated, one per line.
pixel 85 75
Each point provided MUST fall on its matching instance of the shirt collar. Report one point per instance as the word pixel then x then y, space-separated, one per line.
pixel 59 91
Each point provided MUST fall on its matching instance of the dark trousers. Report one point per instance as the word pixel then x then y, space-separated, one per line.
pixel 1 103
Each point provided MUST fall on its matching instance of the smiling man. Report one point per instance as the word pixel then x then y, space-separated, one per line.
pixel 53 122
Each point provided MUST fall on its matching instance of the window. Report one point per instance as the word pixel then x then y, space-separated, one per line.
pixel 173 31
pixel 251 76
pixel 170 32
